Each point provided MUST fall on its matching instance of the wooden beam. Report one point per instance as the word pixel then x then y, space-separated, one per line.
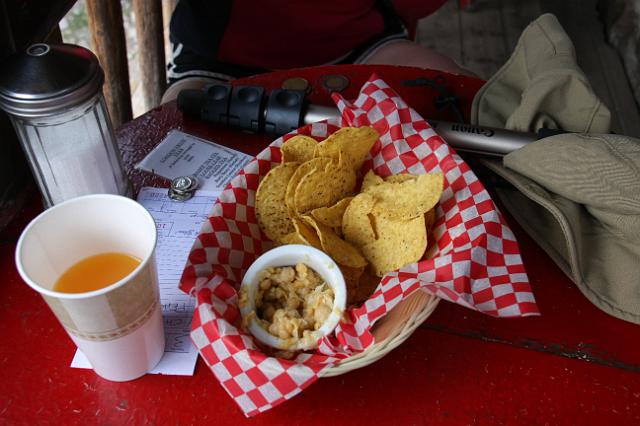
pixel 149 32
pixel 108 42
pixel 55 37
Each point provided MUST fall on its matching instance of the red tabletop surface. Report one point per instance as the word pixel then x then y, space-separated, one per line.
pixel 574 364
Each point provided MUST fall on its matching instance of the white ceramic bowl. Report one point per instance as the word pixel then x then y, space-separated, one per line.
pixel 290 255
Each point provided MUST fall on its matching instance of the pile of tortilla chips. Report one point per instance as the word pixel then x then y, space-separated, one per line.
pixel 311 199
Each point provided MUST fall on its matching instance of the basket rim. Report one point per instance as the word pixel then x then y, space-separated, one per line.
pixel 382 348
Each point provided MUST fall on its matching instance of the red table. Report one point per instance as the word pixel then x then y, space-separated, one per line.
pixel 572 365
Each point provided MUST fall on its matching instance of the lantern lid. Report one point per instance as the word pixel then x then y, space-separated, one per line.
pixel 48 79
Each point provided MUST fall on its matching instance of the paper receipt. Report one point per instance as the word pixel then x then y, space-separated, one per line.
pixel 182 154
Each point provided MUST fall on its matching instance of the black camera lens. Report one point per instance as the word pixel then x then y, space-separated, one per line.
pixel 249 94
pixel 218 92
pixel 288 98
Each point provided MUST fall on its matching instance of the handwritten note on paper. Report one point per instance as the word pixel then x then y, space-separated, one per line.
pixel 178 224
pixel 182 154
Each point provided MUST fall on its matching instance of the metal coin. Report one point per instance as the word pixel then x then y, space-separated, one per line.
pixel 334 82
pixel 179 197
pixel 296 83
pixel 183 187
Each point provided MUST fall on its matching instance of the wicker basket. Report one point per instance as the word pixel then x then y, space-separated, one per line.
pixel 390 331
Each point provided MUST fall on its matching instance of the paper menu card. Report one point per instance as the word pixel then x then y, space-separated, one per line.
pixel 182 154
pixel 178 224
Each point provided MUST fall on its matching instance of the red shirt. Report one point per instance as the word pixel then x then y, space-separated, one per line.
pixel 282 34
pixel 279 34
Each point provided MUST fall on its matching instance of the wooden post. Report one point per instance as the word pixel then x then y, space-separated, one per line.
pixel 108 42
pixel 149 33
pixel 55 37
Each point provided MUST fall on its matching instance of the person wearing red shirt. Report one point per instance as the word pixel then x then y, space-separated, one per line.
pixel 216 41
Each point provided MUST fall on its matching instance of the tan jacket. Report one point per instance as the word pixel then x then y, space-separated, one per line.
pixel 577 195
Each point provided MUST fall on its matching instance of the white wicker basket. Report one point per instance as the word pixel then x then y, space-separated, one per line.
pixel 390 331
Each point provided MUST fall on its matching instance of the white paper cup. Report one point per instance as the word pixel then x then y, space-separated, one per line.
pixel 119 327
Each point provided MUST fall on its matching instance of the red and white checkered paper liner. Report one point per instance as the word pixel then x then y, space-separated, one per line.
pixel 475 261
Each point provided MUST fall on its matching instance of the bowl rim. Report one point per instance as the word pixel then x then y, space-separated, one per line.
pixel 290 255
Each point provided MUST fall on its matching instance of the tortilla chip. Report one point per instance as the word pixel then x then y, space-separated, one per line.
pixel 356 142
pixel 370 179
pixel 398 243
pixel 339 250
pixel 402 177
pixel 324 186
pixel 306 233
pixel 408 199
pixel 332 216
pixel 356 224
pixel 271 210
pixel 299 148
pixel 292 238
pixel 300 172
